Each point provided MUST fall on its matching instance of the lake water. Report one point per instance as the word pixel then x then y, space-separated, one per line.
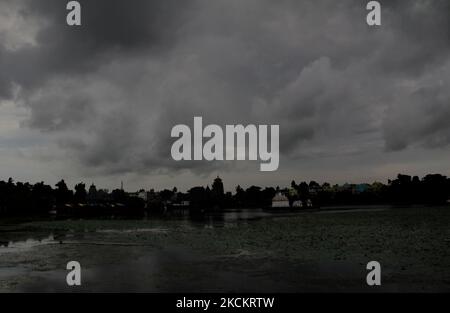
pixel 240 251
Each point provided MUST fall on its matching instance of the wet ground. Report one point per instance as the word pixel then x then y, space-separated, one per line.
pixel 245 251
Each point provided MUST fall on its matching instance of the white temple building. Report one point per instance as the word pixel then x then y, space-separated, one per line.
pixel 280 201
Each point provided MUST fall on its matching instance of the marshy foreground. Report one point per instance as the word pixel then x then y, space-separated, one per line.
pixel 243 251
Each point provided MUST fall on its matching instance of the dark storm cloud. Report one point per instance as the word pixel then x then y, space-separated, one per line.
pixel 110 28
pixel 110 91
pixel 424 120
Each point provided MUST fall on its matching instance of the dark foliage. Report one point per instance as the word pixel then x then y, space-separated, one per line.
pixel 17 198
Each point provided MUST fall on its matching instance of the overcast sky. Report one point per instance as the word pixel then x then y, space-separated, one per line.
pixel 96 103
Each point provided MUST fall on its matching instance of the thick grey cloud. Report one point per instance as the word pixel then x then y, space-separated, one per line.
pixel 108 93
pixel 110 30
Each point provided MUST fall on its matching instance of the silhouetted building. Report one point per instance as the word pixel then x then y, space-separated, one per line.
pixel 92 193
pixel 280 201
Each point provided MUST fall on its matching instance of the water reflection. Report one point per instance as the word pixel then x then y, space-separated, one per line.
pixel 13 246
pixel 225 218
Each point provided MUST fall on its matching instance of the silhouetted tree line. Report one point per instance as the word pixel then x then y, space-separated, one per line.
pixel 25 199
pixel 17 198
